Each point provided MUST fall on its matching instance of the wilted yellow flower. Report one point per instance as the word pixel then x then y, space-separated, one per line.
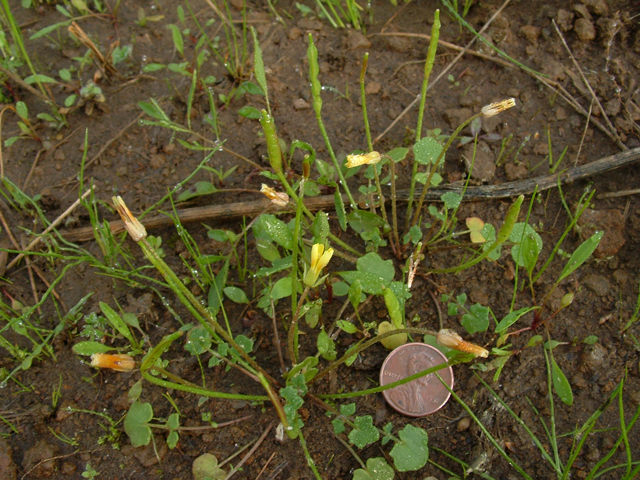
pixel 279 198
pixel 451 339
pixel 319 260
pixel 118 362
pixel 495 108
pixel 370 158
pixel 131 223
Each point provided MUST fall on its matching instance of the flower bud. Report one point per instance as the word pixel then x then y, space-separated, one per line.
pixel 319 259
pixel 370 158
pixel 131 223
pixel 279 198
pixel 449 338
pixel 494 109
pixel 118 362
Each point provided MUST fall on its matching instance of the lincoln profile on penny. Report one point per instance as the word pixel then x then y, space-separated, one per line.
pixel 416 396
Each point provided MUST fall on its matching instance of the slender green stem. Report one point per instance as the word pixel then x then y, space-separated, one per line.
pixel 431 56
pixel 436 164
pixel 316 88
pixel 294 255
pixel 310 462
pixel 371 391
pixel 484 430
pixel 292 342
pixel 367 344
pixel 394 213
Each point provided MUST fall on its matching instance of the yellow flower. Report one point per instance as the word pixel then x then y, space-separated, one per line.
pixel 370 158
pixel 279 198
pixel 495 108
pixel 451 339
pixel 118 362
pixel 131 223
pixel 319 260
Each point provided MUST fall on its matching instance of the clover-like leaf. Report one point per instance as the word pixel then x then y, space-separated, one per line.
pixel 206 466
pixel 135 423
pixel 412 452
pixel 377 469
pixel 475 225
pixel 364 432
pixel 477 320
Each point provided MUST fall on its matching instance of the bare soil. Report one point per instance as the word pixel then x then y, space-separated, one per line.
pixel 142 163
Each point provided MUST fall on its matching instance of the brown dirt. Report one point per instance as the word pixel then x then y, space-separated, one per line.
pixel 143 163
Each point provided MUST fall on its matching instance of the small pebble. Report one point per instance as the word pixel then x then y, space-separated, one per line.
pixel 464 424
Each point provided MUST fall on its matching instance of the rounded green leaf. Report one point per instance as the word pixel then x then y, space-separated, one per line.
pixel 364 433
pixel 89 348
pixel 236 294
pixel 412 452
pixel 135 423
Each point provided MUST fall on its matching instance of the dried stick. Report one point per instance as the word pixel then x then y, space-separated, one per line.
pixel 249 453
pixel 55 223
pixel 472 193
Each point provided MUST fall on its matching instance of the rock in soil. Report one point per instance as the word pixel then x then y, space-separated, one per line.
pixel 40 458
pixel 585 29
pixel 8 469
pixel 598 283
pixel 484 165
pixel 610 221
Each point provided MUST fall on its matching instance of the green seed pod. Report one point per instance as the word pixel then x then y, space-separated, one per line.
pixel 314 70
pixel 273 146
pixel 509 221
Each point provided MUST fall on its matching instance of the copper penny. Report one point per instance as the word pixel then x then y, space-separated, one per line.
pixel 424 395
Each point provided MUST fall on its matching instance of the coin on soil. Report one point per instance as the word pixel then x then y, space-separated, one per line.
pixel 424 395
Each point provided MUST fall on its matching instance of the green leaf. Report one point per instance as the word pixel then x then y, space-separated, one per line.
pixel 326 346
pixel 89 348
pixel 116 322
pixel 251 88
pixel 398 154
pixel 560 383
pixel 377 469
pixel 451 200
pixel 320 227
pixel 530 252
pixel 348 409
pixel 250 112
pixel 312 316
pixel 477 320
pixel 277 231
pixel 346 326
pixel 177 38
pixel 340 211
pixel 338 426
pixel 372 263
pixel 49 29
pixel 364 221
pixel 135 423
pixel 22 110
pixel 172 439
pixel 153 110
pixel 215 291
pixel 281 289
pixel 197 190
pixel 198 340
pixel 70 100
pixel 205 467
pixel 355 294
pixel 427 150
pixel 512 318
pixel 581 254
pixel 268 250
pixel 363 433
pixel 152 67
pixel 31 79
pixel 236 294
pixel 516 237
pixel 412 452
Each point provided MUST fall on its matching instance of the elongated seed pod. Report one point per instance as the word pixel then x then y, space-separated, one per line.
pixel 273 146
